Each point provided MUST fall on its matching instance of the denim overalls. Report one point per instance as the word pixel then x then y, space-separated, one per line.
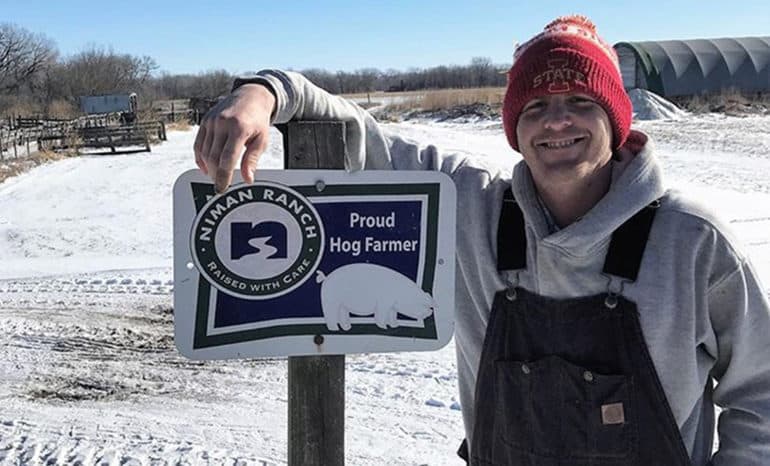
pixel 570 381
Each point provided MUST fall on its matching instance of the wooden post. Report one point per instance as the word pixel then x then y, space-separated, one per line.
pixel 316 383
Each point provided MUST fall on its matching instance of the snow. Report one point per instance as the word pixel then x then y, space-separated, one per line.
pixel 650 106
pixel 88 370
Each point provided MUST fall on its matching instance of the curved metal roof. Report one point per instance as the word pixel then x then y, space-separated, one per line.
pixel 687 67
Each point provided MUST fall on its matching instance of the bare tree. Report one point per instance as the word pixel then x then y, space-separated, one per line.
pixel 367 77
pixel 34 79
pixel 480 67
pixel 322 78
pixel 343 82
pixel 211 84
pixel 101 71
pixel 23 55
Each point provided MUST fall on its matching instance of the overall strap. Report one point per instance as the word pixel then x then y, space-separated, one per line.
pixel 511 236
pixel 624 256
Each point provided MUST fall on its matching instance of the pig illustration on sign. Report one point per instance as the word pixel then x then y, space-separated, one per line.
pixel 369 289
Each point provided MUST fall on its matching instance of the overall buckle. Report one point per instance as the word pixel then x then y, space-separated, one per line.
pixel 510 290
pixel 614 289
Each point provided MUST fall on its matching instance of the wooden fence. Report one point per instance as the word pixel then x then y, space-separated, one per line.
pixel 173 110
pixel 19 122
pixel 91 131
pixel 190 110
pixel 102 137
pixel 16 143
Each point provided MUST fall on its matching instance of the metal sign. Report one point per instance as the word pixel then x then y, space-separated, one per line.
pixel 311 262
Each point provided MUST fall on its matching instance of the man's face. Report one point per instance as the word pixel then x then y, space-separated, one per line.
pixel 564 136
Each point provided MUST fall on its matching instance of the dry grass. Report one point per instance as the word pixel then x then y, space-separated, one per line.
pixel 10 167
pixel 62 109
pixel 377 95
pixel 445 99
pixel 730 101
pixel 147 114
pixel 24 107
pixel 436 99
pixel 183 125
pixel 13 106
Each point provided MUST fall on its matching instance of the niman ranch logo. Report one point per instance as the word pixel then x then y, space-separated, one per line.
pixel 558 77
pixel 258 241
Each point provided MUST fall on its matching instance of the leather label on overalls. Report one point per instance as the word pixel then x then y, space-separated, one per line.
pixel 613 414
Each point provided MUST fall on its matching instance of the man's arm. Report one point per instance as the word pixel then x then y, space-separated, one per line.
pixel 740 316
pixel 239 125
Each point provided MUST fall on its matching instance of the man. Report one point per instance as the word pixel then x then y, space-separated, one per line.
pixel 594 308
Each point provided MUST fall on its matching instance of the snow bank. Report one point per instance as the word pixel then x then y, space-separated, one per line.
pixel 650 106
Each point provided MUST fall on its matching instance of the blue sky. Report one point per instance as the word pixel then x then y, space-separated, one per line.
pixel 191 36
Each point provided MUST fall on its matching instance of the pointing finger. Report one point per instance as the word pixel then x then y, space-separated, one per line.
pixel 254 150
pixel 228 158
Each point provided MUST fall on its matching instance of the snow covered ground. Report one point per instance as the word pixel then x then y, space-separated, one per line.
pixel 88 369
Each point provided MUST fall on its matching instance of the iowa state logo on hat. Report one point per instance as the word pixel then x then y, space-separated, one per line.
pixel 559 77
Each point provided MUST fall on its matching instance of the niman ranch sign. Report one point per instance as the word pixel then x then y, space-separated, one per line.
pixel 292 236
pixel 305 262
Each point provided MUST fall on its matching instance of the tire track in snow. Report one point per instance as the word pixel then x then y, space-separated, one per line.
pixel 100 356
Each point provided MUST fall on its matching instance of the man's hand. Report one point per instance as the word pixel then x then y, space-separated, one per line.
pixel 242 120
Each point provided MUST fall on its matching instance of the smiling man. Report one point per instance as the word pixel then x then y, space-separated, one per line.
pixel 600 317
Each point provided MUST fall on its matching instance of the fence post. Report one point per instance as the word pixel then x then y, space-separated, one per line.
pixel 316 383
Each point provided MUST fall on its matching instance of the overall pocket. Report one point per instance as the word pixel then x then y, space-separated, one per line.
pixel 553 408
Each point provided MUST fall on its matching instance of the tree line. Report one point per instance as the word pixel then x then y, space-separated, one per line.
pixel 481 72
pixel 36 79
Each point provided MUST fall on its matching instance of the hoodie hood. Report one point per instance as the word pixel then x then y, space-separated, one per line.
pixel 635 184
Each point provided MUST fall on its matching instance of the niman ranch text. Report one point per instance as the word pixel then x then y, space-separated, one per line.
pixel 224 278
pixel 257 194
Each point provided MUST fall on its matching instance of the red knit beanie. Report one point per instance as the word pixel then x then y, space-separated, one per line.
pixel 568 56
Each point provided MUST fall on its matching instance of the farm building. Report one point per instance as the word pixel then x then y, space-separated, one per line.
pixel 95 104
pixel 123 103
pixel 701 66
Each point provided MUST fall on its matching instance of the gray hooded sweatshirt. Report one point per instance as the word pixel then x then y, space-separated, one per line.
pixel 704 315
